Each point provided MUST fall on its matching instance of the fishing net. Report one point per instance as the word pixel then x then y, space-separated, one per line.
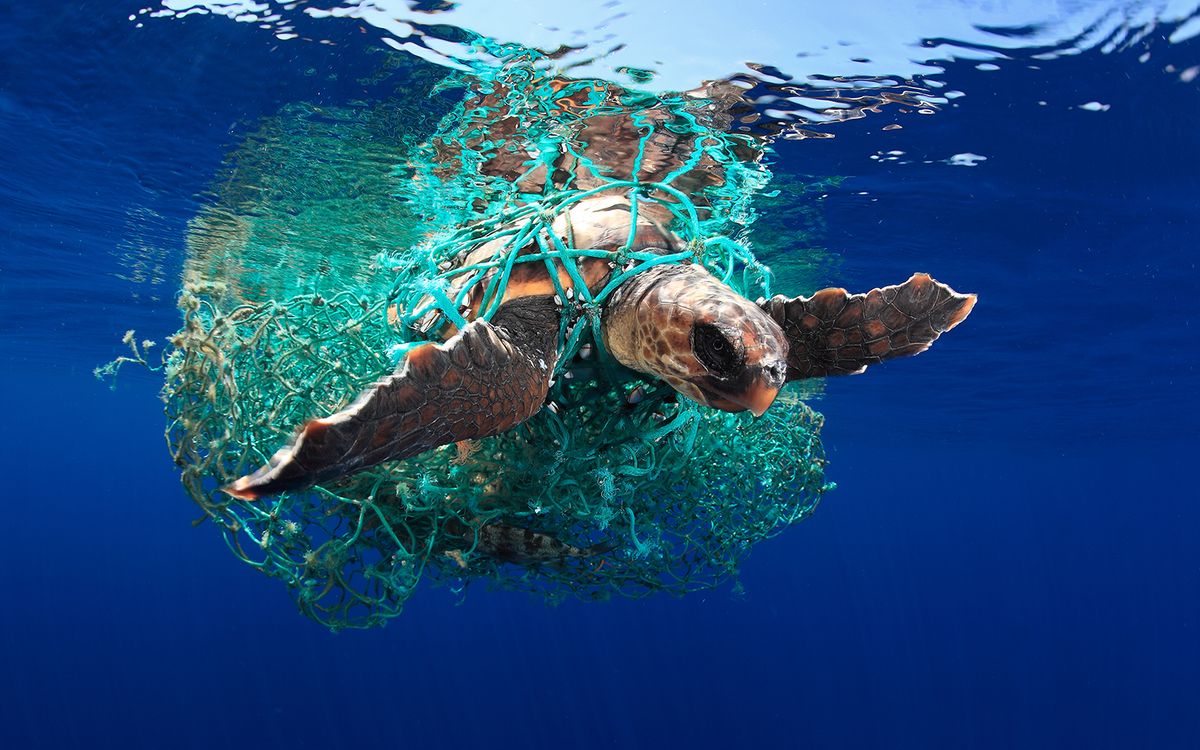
pixel 617 488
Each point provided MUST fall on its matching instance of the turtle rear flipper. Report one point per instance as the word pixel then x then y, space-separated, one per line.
pixel 486 379
pixel 834 332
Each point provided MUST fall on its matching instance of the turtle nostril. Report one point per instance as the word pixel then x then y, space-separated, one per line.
pixel 776 373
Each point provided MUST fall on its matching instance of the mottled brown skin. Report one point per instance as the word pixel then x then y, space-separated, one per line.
pixel 834 332
pixel 484 380
pixel 674 322
pixel 651 326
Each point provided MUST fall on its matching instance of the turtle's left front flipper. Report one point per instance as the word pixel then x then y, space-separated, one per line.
pixel 486 379
pixel 834 332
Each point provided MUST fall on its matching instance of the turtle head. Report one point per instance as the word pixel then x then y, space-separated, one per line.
pixel 707 342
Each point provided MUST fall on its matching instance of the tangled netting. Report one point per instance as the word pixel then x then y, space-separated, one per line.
pixel 616 488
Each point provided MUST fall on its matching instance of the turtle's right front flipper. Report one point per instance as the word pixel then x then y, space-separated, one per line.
pixel 487 379
pixel 834 332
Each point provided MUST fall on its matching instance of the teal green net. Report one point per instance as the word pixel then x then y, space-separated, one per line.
pixel 615 489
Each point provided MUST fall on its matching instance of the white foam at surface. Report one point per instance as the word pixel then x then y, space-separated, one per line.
pixel 965 160
pixel 1188 30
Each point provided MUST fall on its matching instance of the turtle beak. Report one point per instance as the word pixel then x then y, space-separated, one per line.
pixel 757 398
pixel 761 386
pixel 771 376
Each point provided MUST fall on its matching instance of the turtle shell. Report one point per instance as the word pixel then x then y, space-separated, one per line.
pixel 599 222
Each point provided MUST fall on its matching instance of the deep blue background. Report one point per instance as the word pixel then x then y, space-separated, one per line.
pixel 1009 560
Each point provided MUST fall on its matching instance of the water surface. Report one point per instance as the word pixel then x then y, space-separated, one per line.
pixel 1008 559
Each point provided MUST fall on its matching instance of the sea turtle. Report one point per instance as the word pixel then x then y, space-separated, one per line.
pixel 676 322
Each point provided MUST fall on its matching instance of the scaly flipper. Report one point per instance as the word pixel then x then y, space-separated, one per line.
pixel 488 378
pixel 834 332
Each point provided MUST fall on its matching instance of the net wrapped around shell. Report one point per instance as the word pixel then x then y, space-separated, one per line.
pixel 638 492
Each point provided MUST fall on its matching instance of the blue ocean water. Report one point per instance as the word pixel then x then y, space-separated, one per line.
pixel 1009 558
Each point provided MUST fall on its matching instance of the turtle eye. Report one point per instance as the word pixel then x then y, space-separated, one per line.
pixel 715 351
